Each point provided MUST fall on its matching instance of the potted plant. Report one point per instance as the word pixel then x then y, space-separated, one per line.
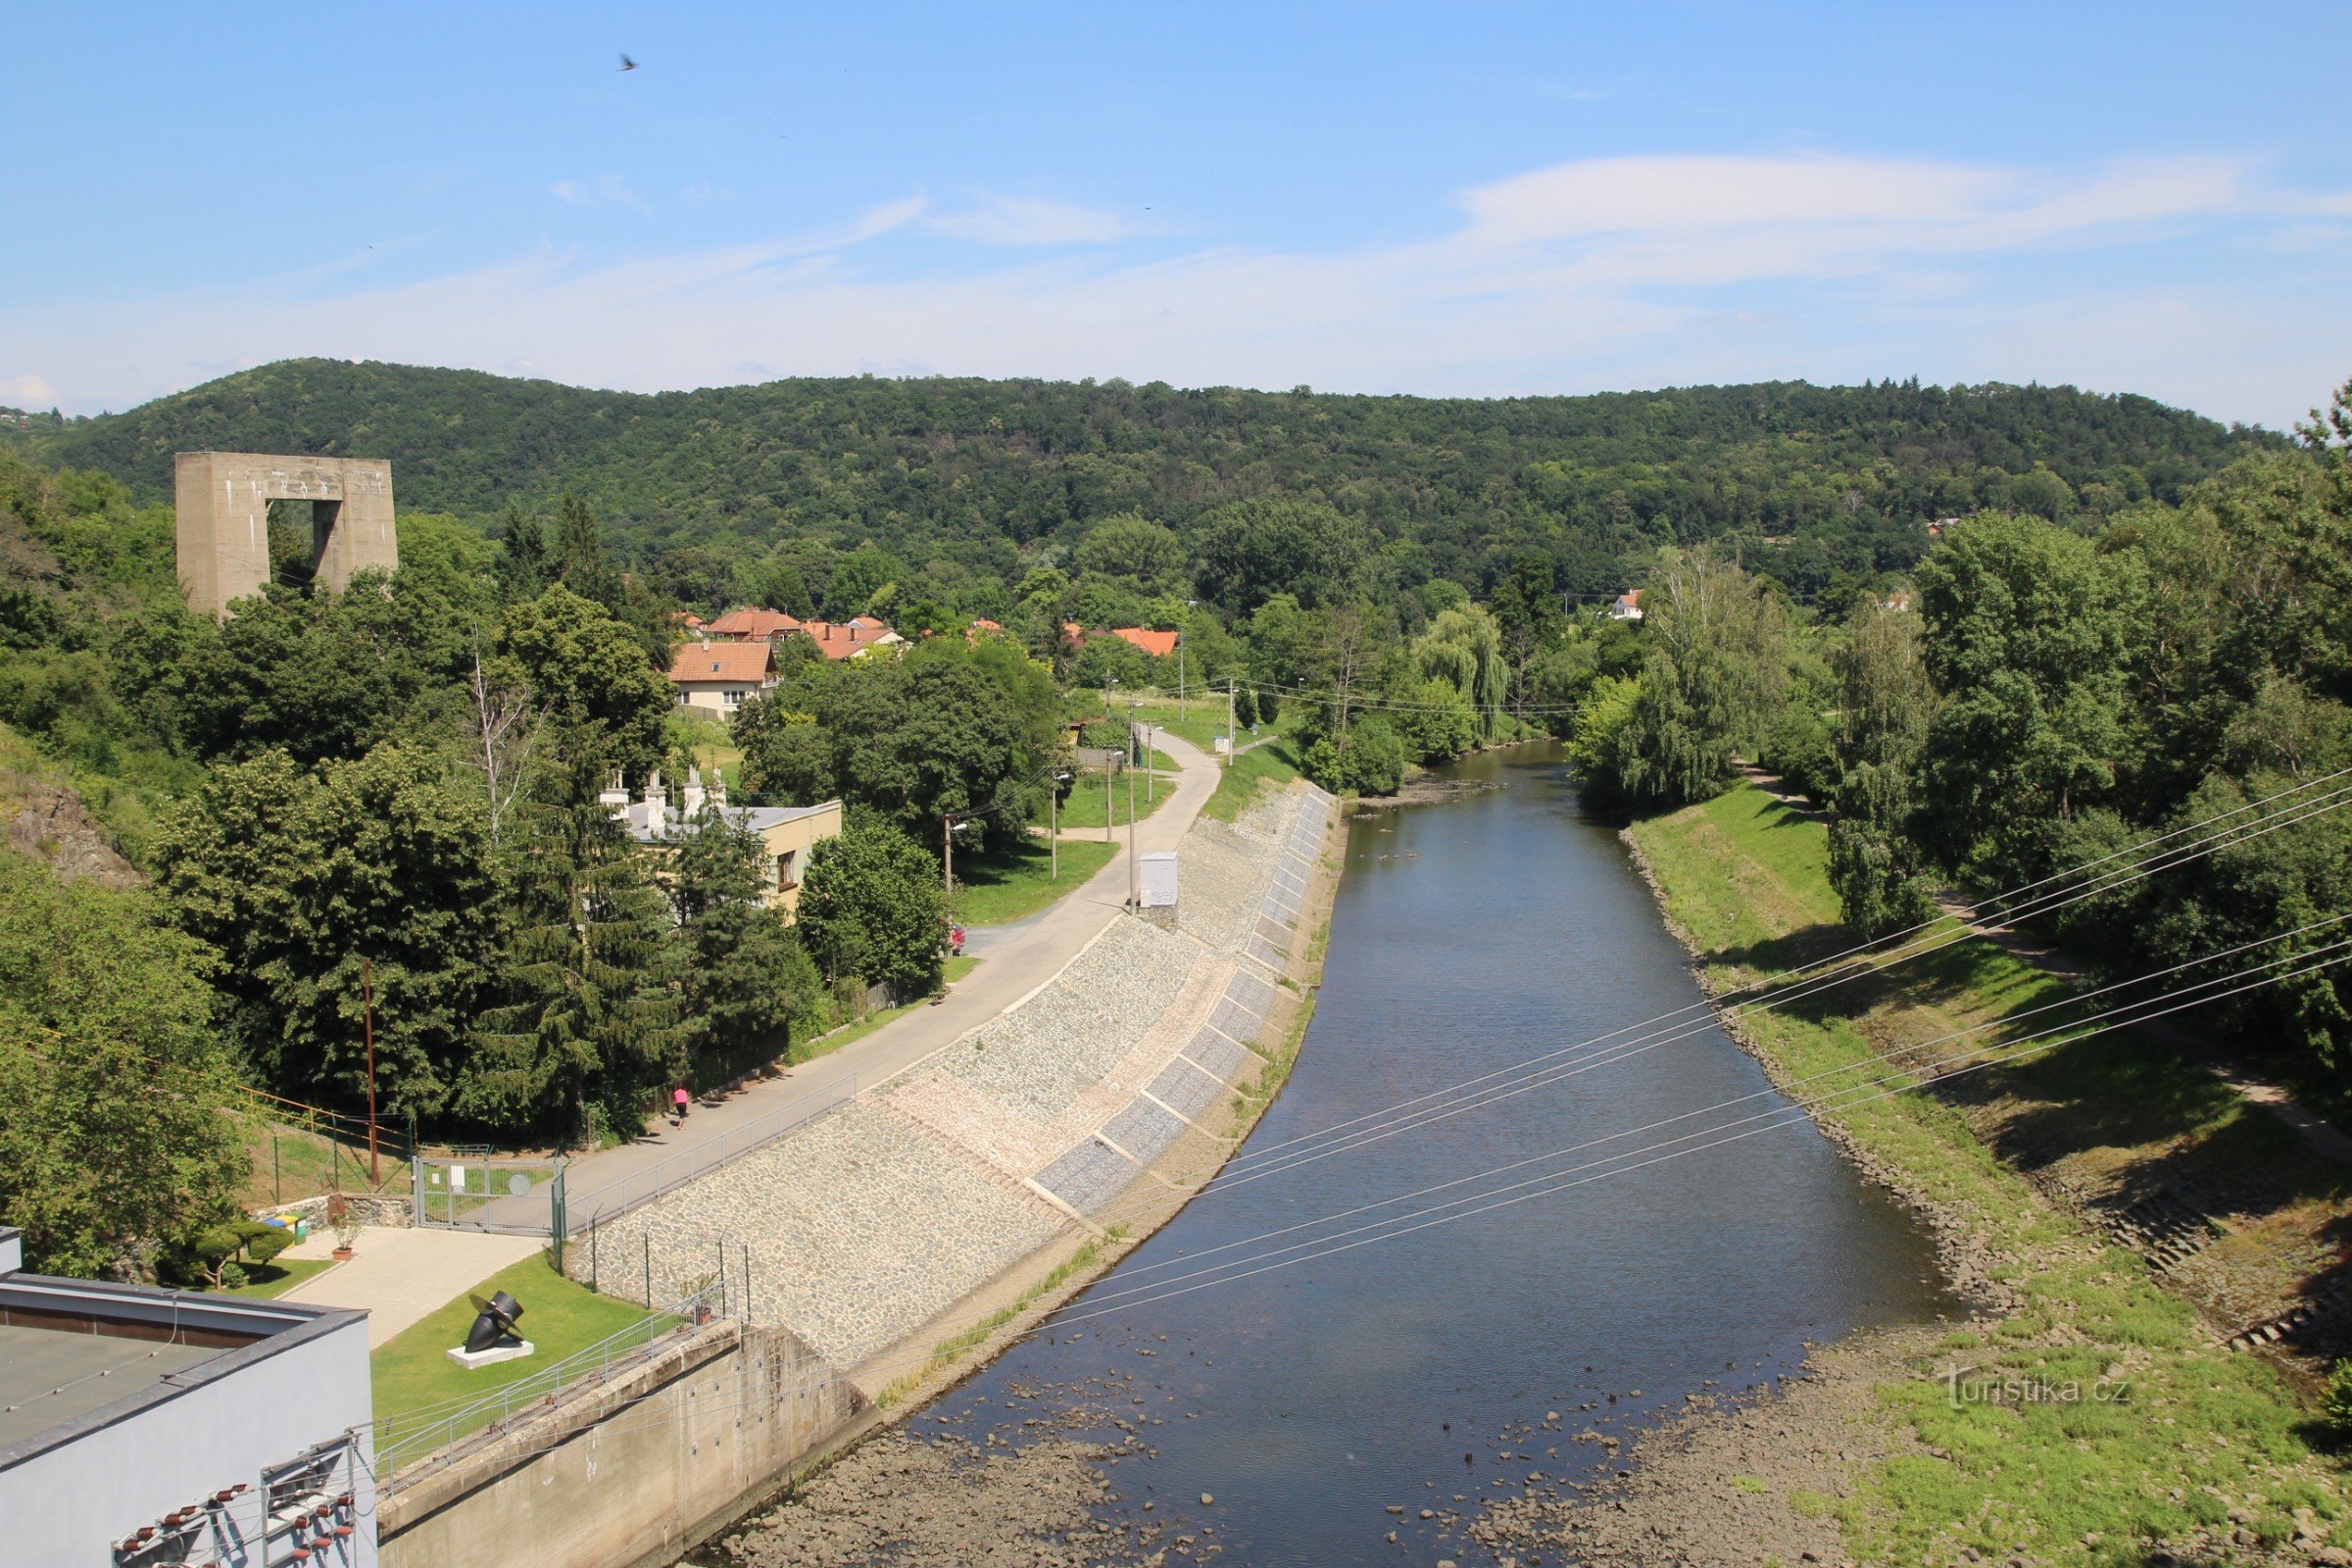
pixel 345 1227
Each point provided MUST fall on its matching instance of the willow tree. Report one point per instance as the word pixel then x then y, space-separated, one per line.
pixel 1463 647
pixel 1715 670
pixel 1885 704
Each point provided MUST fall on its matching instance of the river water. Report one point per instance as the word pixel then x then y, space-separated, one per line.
pixel 1309 1399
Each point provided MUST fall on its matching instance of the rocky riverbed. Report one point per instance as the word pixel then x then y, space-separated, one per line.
pixel 963 1494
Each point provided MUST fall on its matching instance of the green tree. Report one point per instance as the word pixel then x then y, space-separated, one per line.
pixel 747 982
pixel 872 907
pixel 114 1145
pixel 298 879
pixel 589 1027
pixel 1714 673
pixel 1886 704
pixel 2027 631
pixel 1250 551
pixel 1145 555
pixel 586 669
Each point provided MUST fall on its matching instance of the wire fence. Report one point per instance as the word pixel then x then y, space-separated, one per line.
pixel 411 1445
pixel 590 1207
pixel 295 1151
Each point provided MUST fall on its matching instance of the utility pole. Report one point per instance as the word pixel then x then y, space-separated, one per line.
pixel 947 852
pixel 1231 741
pixel 1054 829
pixel 1180 708
pixel 1130 897
pixel 1108 813
pixel 368 1027
pixel 1151 768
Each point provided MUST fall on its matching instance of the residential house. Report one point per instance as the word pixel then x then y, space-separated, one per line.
pixel 849 639
pixel 754 626
pixel 721 675
pixel 787 833
pixel 1628 606
pixel 1158 644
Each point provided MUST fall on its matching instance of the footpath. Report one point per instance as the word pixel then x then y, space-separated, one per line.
pixel 1018 959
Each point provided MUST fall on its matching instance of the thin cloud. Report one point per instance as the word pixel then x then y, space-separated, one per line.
pixel 994 219
pixel 602 191
pixel 1586 274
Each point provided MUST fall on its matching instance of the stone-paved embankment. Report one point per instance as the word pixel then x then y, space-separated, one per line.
pixel 869 1223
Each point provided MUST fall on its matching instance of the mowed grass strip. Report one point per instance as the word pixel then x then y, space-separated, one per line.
pixel 2169 1433
pixel 1014 881
pixel 1270 764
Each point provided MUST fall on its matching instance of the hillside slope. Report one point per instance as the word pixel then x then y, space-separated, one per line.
pixel 925 462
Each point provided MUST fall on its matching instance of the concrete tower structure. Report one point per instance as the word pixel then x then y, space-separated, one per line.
pixel 223 501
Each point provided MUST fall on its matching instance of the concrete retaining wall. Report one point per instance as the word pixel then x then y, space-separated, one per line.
pixel 633 1472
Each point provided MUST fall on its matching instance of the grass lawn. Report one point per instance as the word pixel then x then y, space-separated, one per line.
pixel 1010 882
pixel 1745 878
pixel 848 1034
pixel 1205 719
pixel 413 1372
pixel 1082 808
pixel 277 1277
pixel 1270 763
pixel 285 1163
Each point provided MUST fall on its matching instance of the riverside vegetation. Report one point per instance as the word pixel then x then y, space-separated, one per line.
pixel 2200 1449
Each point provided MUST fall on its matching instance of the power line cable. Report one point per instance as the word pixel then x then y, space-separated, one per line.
pixel 1556 1182
pixel 1797 989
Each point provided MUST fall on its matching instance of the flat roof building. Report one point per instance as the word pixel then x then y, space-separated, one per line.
pixel 141 1428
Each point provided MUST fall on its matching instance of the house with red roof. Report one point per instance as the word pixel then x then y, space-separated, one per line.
pixel 849 639
pixel 1628 606
pixel 721 675
pixel 1158 644
pixel 748 626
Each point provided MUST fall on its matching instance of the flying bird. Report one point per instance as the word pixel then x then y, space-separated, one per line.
pixel 626 64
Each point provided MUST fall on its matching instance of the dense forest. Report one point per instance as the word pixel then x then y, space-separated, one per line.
pixel 2040 699
pixel 968 479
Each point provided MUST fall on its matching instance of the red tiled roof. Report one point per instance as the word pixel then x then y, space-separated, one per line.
pixel 845 639
pixel 1158 644
pixel 753 625
pixel 719 662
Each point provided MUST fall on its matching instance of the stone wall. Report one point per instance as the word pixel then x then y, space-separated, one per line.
pixel 866 1224
pixel 637 1469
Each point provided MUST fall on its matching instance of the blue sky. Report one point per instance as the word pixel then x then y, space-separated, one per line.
pixel 1482 199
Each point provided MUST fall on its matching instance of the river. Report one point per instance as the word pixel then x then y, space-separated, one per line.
pixel 1310 1399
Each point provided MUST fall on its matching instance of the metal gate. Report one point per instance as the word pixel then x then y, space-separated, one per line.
pixel 466 1190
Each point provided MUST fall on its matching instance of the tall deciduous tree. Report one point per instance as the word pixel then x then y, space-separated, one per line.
pixel 113 1144
pixel 872 907
pixel 586 670
pixel 1714 673
pixel 2028 632
pixel 298 878
pixel 1884 705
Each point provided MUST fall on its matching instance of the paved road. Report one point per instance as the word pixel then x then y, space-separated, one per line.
pixel 1016 960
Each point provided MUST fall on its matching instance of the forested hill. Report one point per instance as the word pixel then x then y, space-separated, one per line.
pixel 920 465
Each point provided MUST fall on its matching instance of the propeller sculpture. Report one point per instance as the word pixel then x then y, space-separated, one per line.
pixel 494 1324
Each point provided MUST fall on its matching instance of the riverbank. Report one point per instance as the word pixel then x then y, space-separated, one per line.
pixel 1193 1086
pixel 2089 1412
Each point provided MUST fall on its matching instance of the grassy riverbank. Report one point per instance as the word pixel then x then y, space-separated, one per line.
pixel 2195 1447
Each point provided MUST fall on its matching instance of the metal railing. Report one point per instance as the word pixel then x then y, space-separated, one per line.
pixel 444 1432
pixel 591 1206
